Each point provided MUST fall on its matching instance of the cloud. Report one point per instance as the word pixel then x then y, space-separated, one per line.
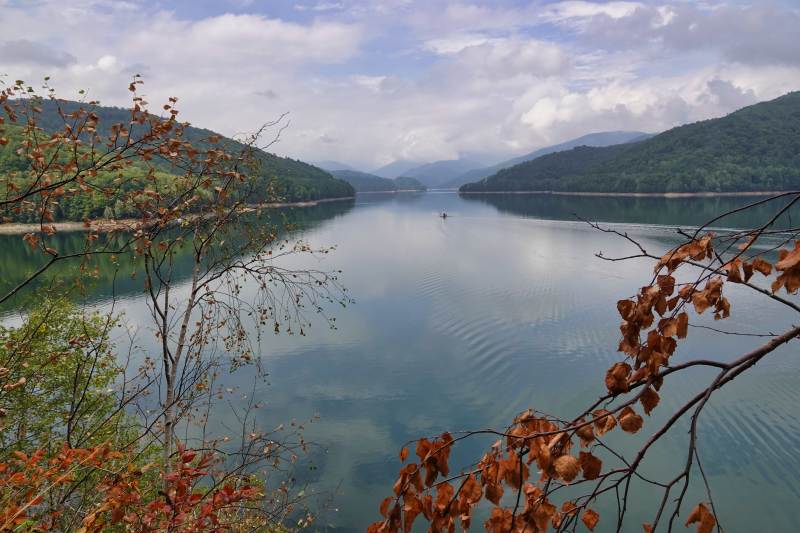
pixel 370 82
pixel 757 34
pixel 513 57
pixel 23 51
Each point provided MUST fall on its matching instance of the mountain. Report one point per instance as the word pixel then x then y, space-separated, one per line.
pixel 363 182
pixel 754 149
pixel 331 166
pixel 605 138
pixel 396 168
pixel 439 172
pixel 405 183
pixel 293 180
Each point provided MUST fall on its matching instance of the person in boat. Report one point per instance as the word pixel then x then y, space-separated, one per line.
pixel 443 215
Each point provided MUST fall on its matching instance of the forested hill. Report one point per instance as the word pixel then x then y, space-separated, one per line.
pixel 754 149
pixel 603 138
pixel 296 180
pixel 364 182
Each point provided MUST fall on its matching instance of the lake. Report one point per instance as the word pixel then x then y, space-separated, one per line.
pixel 462 323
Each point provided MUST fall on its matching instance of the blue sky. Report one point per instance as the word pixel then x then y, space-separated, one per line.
pixel 368 82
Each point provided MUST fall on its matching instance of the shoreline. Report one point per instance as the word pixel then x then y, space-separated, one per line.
pixel 636 194
pixel 104 225
pixel 395 191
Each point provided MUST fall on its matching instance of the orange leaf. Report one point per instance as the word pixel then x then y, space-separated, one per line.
pixel 590 519
pixel 649 399
pixel 703 518
pixel 629 421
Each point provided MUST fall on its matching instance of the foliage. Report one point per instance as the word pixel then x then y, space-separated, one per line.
pixel 59 370
pixel 363 182
pixel 124 498
pixel 754 149
pixel 92 444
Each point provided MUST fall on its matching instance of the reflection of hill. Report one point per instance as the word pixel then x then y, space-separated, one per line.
pixel 683 211
pixel 19 260
pixel 404 197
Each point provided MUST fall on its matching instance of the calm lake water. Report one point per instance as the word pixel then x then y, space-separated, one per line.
pixel 464 322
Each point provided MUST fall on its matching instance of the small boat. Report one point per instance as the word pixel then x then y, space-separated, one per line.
pixel 443 215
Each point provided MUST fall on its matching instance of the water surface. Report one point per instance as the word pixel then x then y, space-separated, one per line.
pixel 464 322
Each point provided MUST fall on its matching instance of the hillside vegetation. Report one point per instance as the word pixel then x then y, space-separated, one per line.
pixel 603 138
pixel 292 180
pixel 365 182
pixel 754 149
pixel 406 183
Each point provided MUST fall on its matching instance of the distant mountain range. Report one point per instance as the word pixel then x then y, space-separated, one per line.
pixel 438 173
pixel 330 166
pixel 396 168
pixel 606 138
pixel 754 149
pixel 364 182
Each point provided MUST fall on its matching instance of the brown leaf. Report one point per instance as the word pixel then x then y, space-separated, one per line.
pixel 703 518
pixel 604 422
pixel 591 465
pixel 649 399
pixel 617 378
pixel 412 507
pixel 403 454
pixel 762 266
pixel 590 519
pixel 471 491
pixel 789 259
pixel 585 433
pixel 566 467
pixel 494 491
pixel 683 325
pixel 629 421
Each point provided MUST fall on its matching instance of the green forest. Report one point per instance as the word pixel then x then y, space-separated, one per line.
pixel 288 179
pixel 365 182
pixel 754 149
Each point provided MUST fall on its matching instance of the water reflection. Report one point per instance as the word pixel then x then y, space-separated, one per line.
pixel 683 211
pixel 107 279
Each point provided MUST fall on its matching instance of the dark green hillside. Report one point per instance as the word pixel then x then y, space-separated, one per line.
pixel 754 149
pixel 294 180
pixel 547 173
pixel 364 182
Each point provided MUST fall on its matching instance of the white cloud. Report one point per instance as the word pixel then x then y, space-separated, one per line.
pixel 581 9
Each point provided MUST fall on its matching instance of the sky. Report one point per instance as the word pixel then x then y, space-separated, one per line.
pixel 369 82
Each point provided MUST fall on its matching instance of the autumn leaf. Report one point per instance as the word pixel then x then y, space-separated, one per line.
pixel 649 399
pixel 566 467
pixel 762 266
pixel 629 421
pixel 617 378
pixel 604 422
pixel 591 465
pixel 590 519
pixel 403 454
pixel 704 519
pixel 682 321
